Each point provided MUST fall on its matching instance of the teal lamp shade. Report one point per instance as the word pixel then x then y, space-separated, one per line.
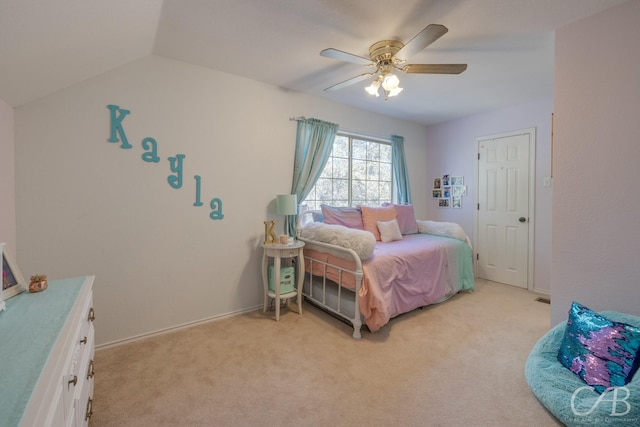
pixel 287 204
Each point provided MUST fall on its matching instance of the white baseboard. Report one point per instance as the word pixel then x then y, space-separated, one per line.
pixel 176 328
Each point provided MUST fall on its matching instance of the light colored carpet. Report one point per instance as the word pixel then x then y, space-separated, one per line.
pixel 459 363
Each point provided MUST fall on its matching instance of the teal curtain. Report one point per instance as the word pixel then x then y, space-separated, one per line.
pixel 400 170
pixel 314 141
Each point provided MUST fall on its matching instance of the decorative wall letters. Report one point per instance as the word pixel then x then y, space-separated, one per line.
pixel 269 233
pixel 150 145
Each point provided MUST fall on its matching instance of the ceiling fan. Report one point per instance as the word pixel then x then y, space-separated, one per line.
pixel 387 55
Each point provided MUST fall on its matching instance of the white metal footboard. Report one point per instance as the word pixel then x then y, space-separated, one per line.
pixel 326 293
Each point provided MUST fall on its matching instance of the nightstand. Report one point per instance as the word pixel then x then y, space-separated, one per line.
pixel 279 251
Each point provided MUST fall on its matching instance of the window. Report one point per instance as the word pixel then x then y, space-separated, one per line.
pixel 358 172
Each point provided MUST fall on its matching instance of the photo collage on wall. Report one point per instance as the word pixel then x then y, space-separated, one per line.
pixel 448 190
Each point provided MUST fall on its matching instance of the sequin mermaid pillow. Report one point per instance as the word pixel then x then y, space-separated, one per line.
pixel 601 352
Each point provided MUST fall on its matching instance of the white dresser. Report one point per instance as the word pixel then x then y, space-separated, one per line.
pixel 46 353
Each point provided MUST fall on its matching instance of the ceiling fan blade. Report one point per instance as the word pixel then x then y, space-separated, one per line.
pixel 349 82
pixel 424 38
pixel 434 68
pixel 346 57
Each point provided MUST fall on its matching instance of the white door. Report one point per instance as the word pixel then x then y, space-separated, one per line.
pixel 504 219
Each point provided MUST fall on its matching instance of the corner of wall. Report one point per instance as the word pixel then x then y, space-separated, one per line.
pixel 7 178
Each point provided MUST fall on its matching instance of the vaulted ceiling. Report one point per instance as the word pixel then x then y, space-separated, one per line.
pixel 508 45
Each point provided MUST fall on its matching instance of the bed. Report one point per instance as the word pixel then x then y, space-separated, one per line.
pixel 367 279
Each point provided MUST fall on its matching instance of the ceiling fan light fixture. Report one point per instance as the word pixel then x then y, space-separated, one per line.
pixel 390 55
pixel 394 92
pixel 373 88
pixel 391 85
pixel 390 82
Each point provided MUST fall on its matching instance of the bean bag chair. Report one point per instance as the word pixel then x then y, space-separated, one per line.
pixel 568 397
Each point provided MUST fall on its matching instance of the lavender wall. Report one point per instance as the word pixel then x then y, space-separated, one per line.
pixel 451 149
pixel 7 179
pixel 596 220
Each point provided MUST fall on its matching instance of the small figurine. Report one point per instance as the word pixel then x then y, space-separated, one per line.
pixel 38 283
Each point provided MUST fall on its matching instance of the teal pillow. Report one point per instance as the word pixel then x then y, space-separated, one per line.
pixel 602 352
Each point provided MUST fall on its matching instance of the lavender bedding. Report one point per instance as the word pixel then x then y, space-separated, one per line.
pixel 400 276
pixel 417 271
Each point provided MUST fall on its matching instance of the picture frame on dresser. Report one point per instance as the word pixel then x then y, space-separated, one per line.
pixel 12 279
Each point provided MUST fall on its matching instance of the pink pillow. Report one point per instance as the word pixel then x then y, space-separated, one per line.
pixel 349 217
pixel 371 216
pixel 406 218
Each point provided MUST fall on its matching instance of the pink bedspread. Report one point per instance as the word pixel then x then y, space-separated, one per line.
pixel 419 270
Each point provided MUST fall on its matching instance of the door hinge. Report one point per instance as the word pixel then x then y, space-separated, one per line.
pixel 478 206
pixel 478 156
pixel 477 257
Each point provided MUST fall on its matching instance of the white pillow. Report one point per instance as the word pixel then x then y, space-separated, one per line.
pixel 447 229
pixel 361 242
pixel 389 230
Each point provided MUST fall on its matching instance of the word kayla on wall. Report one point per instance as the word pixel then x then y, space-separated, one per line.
pixel 150 155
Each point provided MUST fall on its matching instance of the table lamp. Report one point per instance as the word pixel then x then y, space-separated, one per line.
pixel 287 205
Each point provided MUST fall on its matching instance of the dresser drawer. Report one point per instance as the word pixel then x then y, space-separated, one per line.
pixel 87 318
pixel 281 251
pixel 84 404
pixel 75 378
pixel 77 373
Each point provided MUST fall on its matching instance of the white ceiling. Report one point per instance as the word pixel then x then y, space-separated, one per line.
pixel 49 45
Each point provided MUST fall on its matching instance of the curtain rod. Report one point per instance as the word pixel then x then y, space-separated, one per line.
pixel 350 132
pixel 364 135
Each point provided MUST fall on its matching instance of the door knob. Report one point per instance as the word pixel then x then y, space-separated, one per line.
pixel 522 219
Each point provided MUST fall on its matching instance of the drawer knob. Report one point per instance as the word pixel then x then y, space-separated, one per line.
pixel 92 315
pixel 90 371
pixel 73 381
pixel 89 412
pixel 83 340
